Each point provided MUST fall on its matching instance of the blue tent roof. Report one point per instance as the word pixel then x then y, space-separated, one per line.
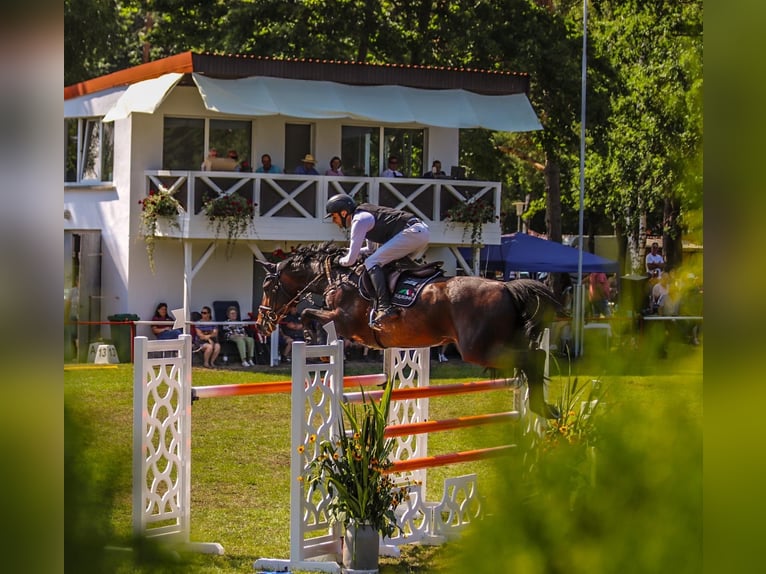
pixel 522 252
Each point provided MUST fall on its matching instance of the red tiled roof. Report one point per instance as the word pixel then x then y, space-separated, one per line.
pixel 357 73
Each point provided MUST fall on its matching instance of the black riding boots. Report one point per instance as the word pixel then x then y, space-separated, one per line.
pixel 383 308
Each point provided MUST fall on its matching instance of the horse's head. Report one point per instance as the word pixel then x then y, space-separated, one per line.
pixel 306 271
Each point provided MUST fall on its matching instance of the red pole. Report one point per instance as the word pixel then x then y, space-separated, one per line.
pixel 449 424
pixel 450 458
pixel 434 391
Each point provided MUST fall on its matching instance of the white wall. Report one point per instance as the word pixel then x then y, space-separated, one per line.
pixel 128 285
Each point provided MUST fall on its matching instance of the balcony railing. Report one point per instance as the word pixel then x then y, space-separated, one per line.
pixel 291 207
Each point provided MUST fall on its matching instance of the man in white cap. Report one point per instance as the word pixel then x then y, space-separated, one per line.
pixel 308 166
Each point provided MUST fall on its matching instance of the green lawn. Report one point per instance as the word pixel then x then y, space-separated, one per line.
pixel 650 470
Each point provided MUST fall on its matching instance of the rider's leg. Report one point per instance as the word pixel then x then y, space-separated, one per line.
pixel 383 307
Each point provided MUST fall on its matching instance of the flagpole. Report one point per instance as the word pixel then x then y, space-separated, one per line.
pixel 579 319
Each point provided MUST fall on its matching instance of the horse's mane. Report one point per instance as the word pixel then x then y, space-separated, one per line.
pixel 306 255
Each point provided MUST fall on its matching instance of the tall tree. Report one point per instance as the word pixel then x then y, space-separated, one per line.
pixel 649 177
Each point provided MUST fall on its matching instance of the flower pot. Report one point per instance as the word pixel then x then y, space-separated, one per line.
pixel 360 549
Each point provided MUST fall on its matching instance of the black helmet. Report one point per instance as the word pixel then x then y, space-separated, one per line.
pixel 340 202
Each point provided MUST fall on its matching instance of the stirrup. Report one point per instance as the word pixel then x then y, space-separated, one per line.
pixel 380 316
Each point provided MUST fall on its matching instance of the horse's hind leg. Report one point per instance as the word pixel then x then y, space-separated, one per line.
pixel 534 368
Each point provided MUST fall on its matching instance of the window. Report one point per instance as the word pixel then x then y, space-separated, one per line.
pixel 359 150
pixel 297 145
pixel 183 141
pixel 88 150
pixel 234 135
pixel 407 144
pixel 362 153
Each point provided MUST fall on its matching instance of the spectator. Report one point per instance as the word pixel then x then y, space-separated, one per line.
pixel 211 153
pixel 393 168
pixel 308 166
pixel 207 339
pixel 436 171
pixel 164 331
pixel 236 333
pixel 598 294
pixel 267 166
pixel 655 262
pixel 664 296
pixel 335 164
pixel 290 329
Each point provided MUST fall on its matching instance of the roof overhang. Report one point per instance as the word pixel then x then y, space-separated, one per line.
pixel 253 87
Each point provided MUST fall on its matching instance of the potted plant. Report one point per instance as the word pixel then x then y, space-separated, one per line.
pixel 159 204
pixel 474 214
pixel 352 470
pixel 231 213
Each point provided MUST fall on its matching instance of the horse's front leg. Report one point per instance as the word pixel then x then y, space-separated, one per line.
pixel 322 316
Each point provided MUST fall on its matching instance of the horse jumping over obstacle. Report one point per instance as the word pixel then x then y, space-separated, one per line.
pixel 493 324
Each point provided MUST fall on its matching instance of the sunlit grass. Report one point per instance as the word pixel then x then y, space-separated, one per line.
pixel 643 514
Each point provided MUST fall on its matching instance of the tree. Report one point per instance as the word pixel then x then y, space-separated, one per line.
pixel 647 177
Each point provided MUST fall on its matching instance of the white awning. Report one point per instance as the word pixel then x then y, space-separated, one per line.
pixel 93 105
pixel 144 97
pixel 267 96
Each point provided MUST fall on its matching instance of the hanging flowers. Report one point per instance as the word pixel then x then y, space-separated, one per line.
pixel 158 204
pixel 232 214
pixel 473 214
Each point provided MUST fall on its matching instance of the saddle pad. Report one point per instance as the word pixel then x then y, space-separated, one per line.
pixel 408 288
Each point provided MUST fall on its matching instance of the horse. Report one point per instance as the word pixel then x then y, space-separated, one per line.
pixel 492 323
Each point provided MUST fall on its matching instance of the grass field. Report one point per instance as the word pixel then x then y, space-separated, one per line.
pixel 644 512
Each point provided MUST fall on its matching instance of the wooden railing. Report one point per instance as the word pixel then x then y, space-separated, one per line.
pixel 291 207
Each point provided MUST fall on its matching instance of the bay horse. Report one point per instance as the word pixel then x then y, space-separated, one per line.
pixel 493 324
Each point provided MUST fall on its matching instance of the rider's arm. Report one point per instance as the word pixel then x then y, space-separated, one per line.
pixel 361 223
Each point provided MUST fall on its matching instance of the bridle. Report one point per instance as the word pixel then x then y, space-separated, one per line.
pixel 273 317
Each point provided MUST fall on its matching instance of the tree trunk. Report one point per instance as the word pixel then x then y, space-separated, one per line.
pixel 553 214
pixel 672 238
pixel 553 199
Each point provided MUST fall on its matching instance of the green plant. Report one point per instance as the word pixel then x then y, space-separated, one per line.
pixel 572 437
pixel 158 204
pixel 231 213
pixel 473 214
pixel 352 468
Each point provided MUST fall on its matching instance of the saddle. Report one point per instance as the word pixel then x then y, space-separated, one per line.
pixel 405 278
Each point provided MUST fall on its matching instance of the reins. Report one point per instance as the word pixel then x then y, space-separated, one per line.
pixel 273 317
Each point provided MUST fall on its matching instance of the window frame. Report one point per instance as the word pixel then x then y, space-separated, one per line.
pixel 104 151
pixel 382 151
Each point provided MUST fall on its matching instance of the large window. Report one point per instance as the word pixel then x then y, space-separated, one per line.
pixel 408 146
pixel 363 154
pixel 297 145
pixel 183 143
pixel 184 147
pixel 88 150
pixel 234 135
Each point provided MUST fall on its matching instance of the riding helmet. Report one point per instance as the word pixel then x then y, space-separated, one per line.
pixel 340 202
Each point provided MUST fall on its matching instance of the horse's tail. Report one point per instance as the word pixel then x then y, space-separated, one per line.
pixel 535 303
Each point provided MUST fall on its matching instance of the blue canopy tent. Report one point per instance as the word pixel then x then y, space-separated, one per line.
pixel 522 252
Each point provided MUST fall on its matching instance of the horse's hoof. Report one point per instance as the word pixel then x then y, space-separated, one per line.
pixel 546 410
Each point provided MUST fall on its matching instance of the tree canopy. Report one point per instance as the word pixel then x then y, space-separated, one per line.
pixel 644 122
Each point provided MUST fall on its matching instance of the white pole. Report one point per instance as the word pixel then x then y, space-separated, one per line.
pixel 579 307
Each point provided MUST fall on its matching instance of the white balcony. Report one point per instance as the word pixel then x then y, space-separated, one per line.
pixel 291 207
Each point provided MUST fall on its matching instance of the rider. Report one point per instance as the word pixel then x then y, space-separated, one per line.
pixel 399 233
